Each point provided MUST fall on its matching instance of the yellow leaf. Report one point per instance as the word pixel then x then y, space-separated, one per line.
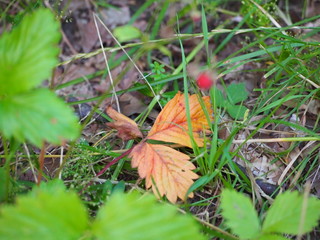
pixel 171 124
pixel 127 128
pixel 166 170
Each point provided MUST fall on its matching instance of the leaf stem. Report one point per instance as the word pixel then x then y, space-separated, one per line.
pixel 213 227
pixel 107 166
pixel 41 163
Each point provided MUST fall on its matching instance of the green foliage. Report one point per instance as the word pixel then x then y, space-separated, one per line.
pixel 158 73
pixel 24 8
pixel 4 184
pixel 37 115
pixel 271 237
pixel 289 214
pixel 235 93
pixel 136 217
pixel 28 54
pixel 126 33
pixel 257 17
pixel 240 214
pixel 50 212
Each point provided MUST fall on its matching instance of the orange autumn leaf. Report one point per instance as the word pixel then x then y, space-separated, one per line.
pixel 127 128
pixel 172 126
pixel 166 170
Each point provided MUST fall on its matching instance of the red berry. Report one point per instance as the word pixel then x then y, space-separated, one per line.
pixel 204 81
pixel 195 16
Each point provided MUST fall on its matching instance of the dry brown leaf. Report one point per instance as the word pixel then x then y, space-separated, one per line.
pixel 166 170
pixel 172 126
pixel 127 128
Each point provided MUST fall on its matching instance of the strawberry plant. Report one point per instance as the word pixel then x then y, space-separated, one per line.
pixel 29 112
pixel 157 73
pixel 51 212
pixel 235 94
pixel 290 213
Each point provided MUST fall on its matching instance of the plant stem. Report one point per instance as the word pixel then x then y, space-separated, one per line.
pixel 41 163
pixel 106 167
pixel 226 234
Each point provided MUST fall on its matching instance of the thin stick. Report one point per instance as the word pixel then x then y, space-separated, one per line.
pixel 309 81
pixel 268 140
pixel 134 64
pixel 61 161
pixel 268 15
pixel 286 170
pixel 107 64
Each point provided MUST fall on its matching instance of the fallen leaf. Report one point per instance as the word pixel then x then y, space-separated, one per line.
pixel 167 171
pixel 127 128
pixel 171 124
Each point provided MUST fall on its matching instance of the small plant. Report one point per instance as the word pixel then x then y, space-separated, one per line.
pixel 290 213
pixel 157 73
pixel 28 54
pixel 257 17
pixel 235 93
pixel 29 113
pixel 51 212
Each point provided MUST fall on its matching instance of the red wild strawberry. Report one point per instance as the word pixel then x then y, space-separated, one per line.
pixel 195 16
pixel 204 81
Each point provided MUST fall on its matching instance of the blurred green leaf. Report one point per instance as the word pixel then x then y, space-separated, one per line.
pixel 237 92
pixel 36 116
pixel 132 217
pixel 126 33
pixel 272 237
pixel 28 53
pixel 236 111
pixel 48 212
pixel 284 215
pixel 219 98
pixel 240 214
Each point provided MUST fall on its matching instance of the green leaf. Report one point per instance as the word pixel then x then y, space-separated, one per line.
pixel 219 98
pixel 45 213
pixel 271 237
pixel 37 116
pixel 236 111
pixel 284 216
pixel 126 33
pixel 28 53
pixel 237 92
pixel 240 214
pixel 132 217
